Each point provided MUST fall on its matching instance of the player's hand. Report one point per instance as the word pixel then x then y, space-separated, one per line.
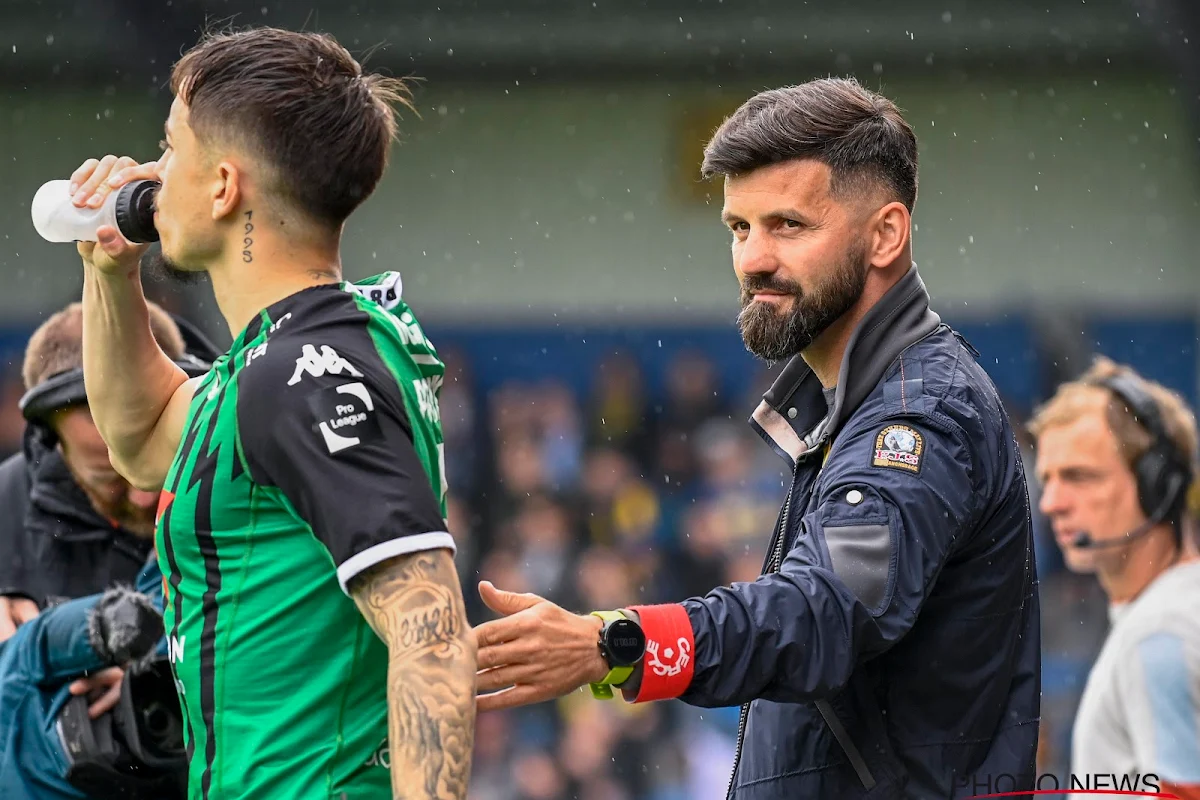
pixel 15 612
pixel 538 650
pixel 90 185
pixel 103 690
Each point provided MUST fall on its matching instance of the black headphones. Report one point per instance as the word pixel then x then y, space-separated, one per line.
pixel 1163 473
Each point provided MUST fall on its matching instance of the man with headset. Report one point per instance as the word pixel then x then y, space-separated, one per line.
pixel 71 525
pixel 1116 455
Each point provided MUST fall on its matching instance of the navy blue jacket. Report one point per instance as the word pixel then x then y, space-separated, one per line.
pixel 891 648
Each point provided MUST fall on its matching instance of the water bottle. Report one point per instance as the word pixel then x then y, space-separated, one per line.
pixel 129 209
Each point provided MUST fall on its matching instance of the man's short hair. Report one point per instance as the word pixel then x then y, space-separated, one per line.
pixel 1083 394
pixel 301 105
pixel 57 344
pixel 860 135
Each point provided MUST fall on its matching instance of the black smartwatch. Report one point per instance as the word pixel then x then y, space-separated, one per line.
pixel 622 645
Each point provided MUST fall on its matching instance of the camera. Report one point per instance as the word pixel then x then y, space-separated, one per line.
pixel 135 751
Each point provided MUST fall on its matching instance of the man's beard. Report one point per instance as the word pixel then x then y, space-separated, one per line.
pixel 774 335
pixel 160 268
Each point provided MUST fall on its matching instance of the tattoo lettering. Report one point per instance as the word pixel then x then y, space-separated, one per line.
pixel 247 242
pixel 432 627
pixel 414 603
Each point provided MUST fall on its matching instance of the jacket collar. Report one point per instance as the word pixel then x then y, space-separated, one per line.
pixel 794 418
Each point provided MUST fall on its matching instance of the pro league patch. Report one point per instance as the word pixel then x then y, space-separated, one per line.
pixel 344 416
pixel 898 447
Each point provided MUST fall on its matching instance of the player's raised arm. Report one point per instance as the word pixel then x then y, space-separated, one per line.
pixel 414 603
pixel 135 392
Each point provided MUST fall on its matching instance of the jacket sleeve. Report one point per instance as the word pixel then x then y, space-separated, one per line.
pixel 892 500
pixel 88 634
pixel 15 558
pixel 55 645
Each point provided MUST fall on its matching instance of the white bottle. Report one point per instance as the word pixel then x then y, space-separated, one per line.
pixel 129 209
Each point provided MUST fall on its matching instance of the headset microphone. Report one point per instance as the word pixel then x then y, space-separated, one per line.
pixel 1084 539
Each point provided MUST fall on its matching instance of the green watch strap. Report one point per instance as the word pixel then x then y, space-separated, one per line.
pixel 617 675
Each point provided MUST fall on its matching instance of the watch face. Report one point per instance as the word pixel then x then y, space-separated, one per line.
pixel 626 643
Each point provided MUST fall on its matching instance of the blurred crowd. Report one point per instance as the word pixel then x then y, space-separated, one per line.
pixel 618 497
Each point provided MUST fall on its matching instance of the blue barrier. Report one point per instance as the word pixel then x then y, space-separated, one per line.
pixel 1161 349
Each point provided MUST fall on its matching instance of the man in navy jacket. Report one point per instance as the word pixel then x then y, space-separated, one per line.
pixel 891 647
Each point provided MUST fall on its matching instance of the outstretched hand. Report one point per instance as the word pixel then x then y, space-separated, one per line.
pixel 536 652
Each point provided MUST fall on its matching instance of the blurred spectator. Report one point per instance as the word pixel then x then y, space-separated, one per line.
pixel 619 414
pixel 462 427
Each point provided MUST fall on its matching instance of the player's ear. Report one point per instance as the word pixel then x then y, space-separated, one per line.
pixel 227 190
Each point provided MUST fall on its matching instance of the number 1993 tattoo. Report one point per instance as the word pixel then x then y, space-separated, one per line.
pixel 247 242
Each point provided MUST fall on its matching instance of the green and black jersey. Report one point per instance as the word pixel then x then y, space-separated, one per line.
pixel 312 450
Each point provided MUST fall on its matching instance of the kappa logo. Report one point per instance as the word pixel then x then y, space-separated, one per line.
pixel 898 447
pixel 677 658
pixel 325 362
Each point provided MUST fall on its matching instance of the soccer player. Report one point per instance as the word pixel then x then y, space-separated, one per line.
pixel 1116 455
pixel 315 621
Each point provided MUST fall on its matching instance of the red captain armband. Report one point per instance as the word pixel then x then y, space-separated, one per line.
pixel 668 664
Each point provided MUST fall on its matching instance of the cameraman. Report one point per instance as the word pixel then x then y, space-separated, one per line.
pixel 52 745
pixel 72 526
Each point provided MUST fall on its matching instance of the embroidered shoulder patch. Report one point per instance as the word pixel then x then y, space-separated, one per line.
pixel 899 447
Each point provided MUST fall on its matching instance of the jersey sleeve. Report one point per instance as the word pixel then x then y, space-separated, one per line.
pixel 323 419
pixel 1158 688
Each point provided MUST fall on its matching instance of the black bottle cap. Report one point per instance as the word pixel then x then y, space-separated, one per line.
pixel 135 211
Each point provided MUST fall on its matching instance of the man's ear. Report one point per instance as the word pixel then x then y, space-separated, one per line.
pixel 227 190
pixel 890 231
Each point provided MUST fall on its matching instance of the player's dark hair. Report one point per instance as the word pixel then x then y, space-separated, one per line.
pixel 299 103
pixel 860 135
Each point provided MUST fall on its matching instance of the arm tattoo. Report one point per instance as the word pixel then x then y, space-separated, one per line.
pixel 247 242
pixel 414 603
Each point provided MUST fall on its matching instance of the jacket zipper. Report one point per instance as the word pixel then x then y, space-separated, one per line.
pixel 772 566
